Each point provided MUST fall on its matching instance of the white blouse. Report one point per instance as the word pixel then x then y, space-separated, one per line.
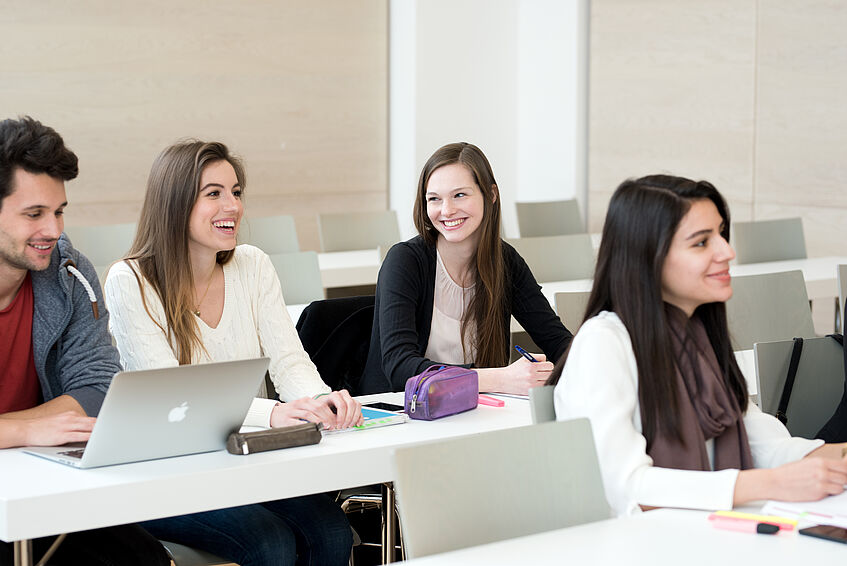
pixel 254 323
pixel 600 381
pixel 450 303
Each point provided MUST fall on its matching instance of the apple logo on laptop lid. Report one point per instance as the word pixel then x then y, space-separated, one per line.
pixel 177 414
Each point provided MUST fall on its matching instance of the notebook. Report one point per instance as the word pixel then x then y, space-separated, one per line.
pixel 166 412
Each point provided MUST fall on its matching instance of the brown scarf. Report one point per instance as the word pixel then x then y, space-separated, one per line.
pixel 707 409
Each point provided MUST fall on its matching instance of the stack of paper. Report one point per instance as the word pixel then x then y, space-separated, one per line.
pixel 831 510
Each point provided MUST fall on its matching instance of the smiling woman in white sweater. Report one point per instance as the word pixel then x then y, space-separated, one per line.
pixel 652 367
pixel 254 322
pixel 187 294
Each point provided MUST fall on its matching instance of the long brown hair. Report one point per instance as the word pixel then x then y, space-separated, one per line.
pixel 487 309
pixel 160 249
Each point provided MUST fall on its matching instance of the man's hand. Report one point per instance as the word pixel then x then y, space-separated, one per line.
pixel 51 430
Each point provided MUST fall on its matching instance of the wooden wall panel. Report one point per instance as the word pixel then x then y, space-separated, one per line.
pixel 749 95
pixel 671 90
pixel 801 142
pixel 298 89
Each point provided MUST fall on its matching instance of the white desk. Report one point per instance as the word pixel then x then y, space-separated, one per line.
pixel 661 537
pixel 41 498
pixel 818 272
pixel 360 267
pixel 294 311
pixel 347 269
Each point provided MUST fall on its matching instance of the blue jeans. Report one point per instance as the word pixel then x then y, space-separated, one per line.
pixel 310 530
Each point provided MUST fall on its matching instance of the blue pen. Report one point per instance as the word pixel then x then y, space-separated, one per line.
pixel 525 354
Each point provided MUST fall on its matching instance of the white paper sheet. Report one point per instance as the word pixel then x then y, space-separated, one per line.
pixel 831 510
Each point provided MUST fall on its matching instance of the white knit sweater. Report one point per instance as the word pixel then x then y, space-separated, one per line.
pixel 254 323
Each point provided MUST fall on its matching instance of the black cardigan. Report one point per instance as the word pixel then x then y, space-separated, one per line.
pixel 405 293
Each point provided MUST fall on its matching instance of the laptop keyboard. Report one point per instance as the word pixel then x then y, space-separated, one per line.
pixel 73 453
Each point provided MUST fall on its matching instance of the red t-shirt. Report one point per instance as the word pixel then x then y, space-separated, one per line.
pixel 19 387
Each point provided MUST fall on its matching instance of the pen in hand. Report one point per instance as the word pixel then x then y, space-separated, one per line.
pixel 525 354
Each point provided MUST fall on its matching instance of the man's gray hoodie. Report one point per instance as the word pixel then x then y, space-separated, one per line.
pixel 73 351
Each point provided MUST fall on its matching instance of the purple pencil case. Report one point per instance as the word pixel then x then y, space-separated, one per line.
pixel 441 391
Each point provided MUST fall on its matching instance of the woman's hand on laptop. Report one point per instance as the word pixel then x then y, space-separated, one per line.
pixel 54 430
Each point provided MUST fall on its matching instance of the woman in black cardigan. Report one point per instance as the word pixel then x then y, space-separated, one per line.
pixel 446 296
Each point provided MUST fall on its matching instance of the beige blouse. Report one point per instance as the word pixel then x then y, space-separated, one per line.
pixel 449 306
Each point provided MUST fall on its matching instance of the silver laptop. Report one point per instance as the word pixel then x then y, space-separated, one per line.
pixel 165 412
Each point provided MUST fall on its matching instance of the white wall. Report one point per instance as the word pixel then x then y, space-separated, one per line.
pixel 509 76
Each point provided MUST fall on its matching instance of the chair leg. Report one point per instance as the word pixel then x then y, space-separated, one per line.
pixel 389 523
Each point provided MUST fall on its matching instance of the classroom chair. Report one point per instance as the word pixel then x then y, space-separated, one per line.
pixel 498 485
pixel 571 308
pixel 336 333
pixel 300 276
pixel 769 240
pixel 551 218
pixel 358 230
pixel 768 307
pixel 541 404
pixel 102 245
pixel 557 258
pixel 818 383
pixel 271 234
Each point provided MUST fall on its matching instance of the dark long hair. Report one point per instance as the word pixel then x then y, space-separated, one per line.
pixel 643 217
pixel 487 309
pixel 160 248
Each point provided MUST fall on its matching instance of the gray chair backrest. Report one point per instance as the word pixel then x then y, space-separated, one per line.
pixel 842 293
pixel 508 483
pixel 769 240
pixel 300 277
pixel 551 218
pixel 271 234
pixel 102 245
pixel 557 258
pixel 818 384
pixel 571 308
pixel 541 404
pixel 358 230
pixel 769 307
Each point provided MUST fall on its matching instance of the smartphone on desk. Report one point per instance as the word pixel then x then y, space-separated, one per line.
pixel 384 406
pixel 827 532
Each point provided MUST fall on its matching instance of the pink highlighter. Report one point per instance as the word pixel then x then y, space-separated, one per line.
pixel 753 524
pixel 491 401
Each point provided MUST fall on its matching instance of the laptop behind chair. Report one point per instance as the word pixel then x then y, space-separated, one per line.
pixel 165 412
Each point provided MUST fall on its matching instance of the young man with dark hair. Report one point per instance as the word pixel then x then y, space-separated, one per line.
pixel 56 355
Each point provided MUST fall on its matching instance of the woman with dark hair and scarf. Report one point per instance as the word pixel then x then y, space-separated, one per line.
pixel 653 369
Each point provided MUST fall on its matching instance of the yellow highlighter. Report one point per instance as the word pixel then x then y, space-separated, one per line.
pixel 784 522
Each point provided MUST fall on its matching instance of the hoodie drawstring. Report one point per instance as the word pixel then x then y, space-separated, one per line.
pixel 74 272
